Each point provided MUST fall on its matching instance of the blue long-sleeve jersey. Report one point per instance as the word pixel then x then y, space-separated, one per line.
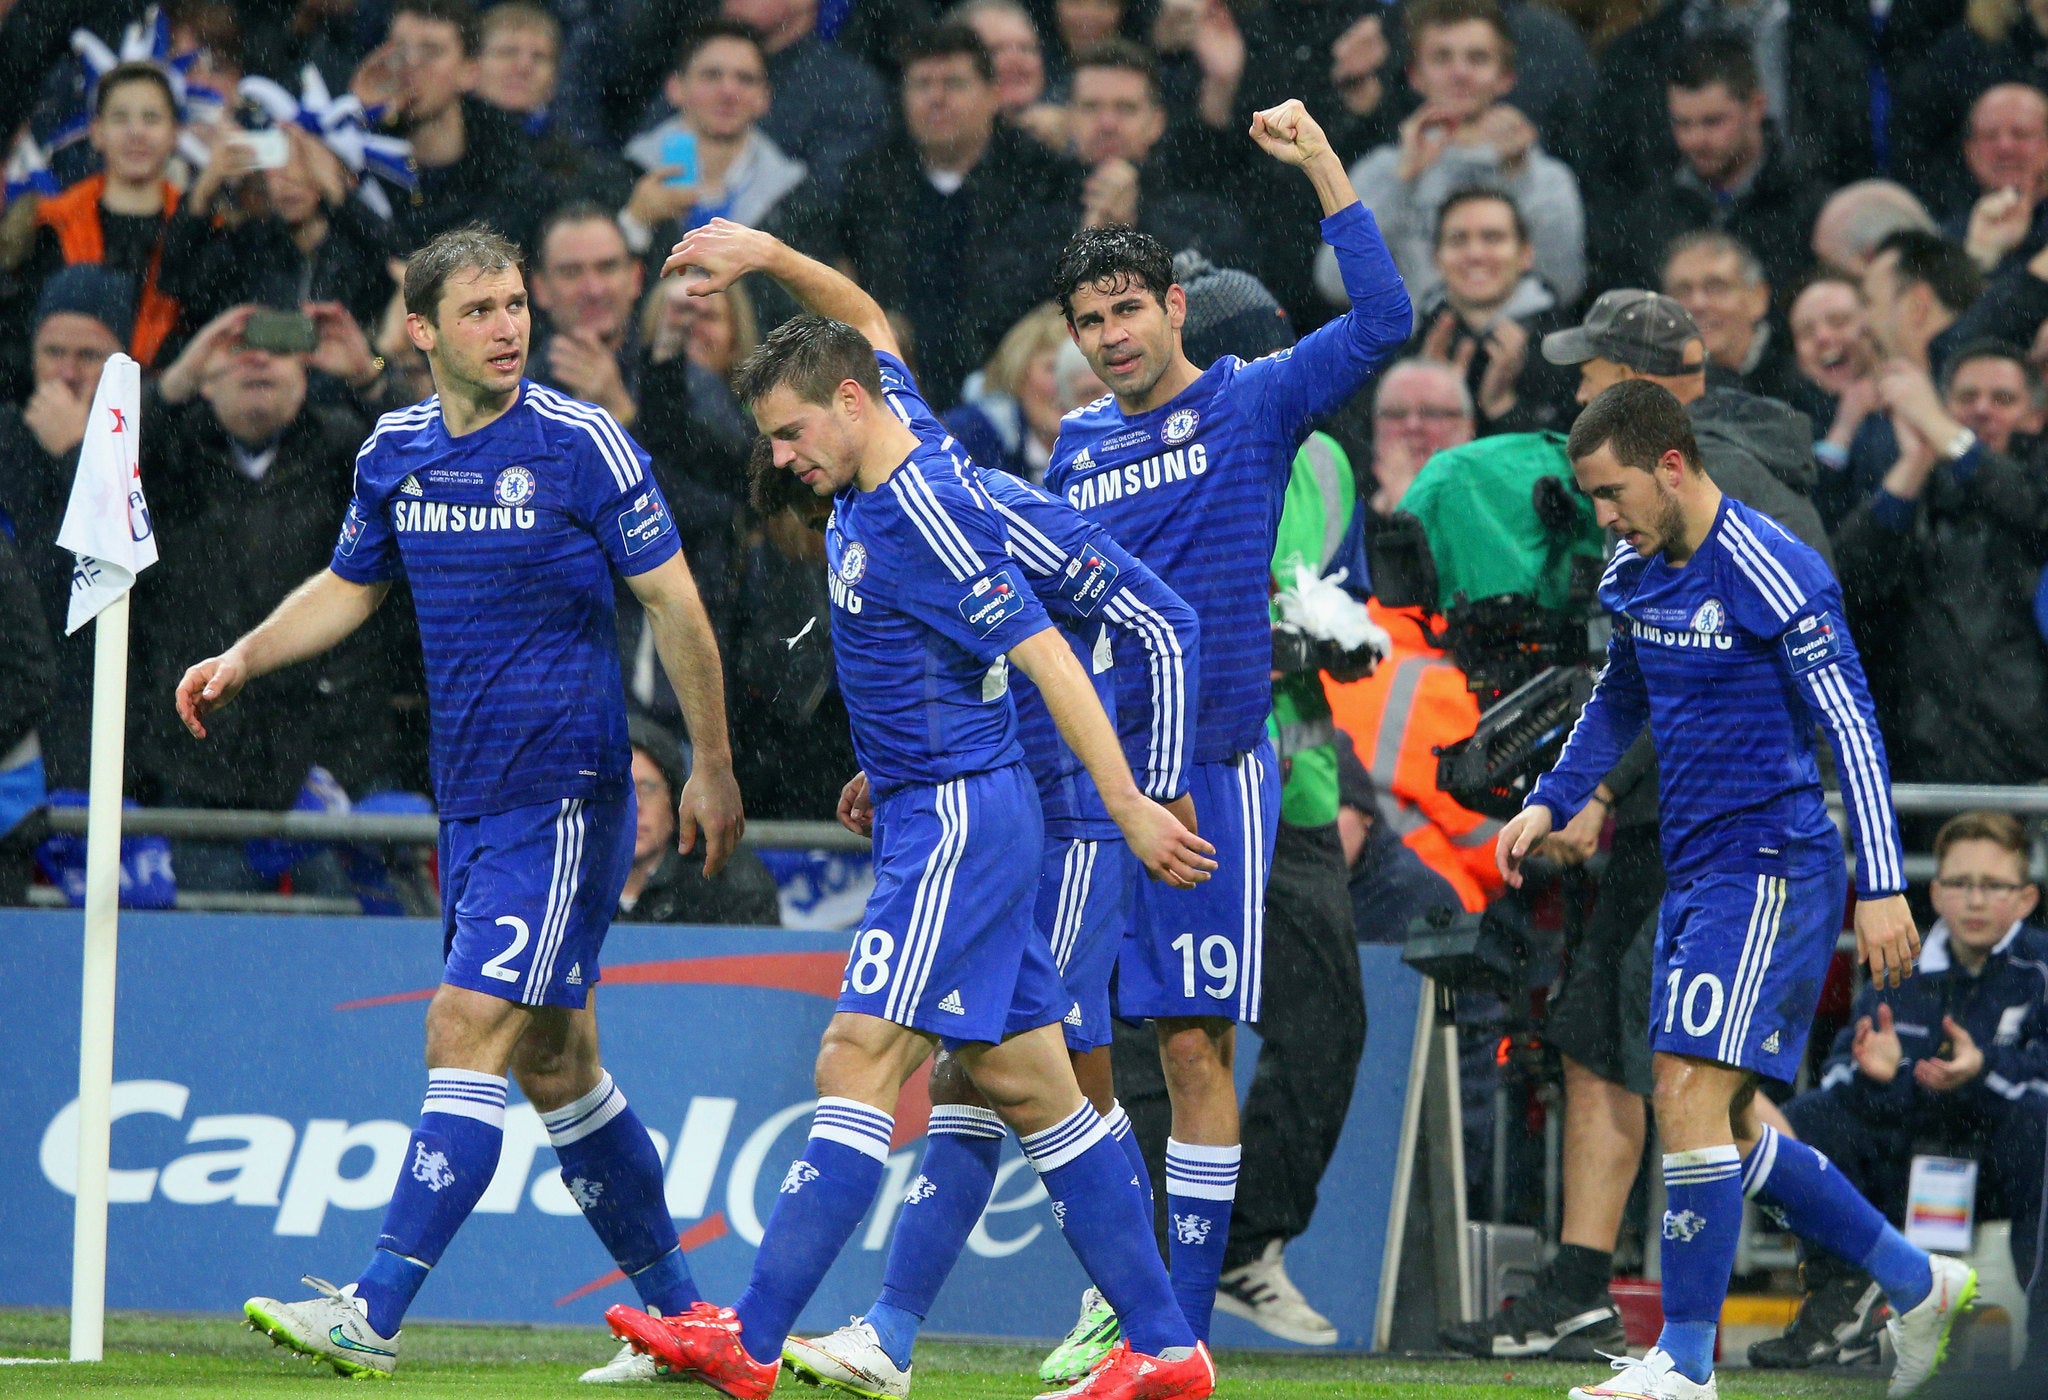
pixel 1733 660
pixel 1194 487
pixel 1096 591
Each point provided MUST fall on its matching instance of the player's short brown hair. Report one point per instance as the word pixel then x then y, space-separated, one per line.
pixel 1637 420
pixel 473 248
pixel 813 356
pixel 2001 829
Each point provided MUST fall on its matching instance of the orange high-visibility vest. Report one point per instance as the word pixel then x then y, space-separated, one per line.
pixel 74 216
pixel 1416 700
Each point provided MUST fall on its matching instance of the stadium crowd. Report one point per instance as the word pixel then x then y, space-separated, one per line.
pixel 1843 206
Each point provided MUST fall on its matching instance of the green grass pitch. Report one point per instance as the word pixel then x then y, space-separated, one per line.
pixel 165 1357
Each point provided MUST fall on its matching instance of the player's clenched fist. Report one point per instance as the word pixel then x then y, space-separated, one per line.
pixel 1517 839
pixel 208 686
pixel 1289 133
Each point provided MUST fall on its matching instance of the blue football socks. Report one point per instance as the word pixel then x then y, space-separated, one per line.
pixel 824 1195
pixel 1119 1124
pixel 1822 1208
pixel 448 1163
pixel 950 1192
pixel 1201 1186
pixel 1102 1214
pixel 1702 1226
pixel 614 1175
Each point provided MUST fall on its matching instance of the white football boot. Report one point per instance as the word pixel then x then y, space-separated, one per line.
pixel 629 1367
pixel 1920 1338
pixel 1652 1378
pixel 334 1328
pixel 851 1360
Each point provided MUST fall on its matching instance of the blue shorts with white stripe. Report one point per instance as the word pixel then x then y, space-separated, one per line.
pixel 1087 893
pixel 947 943
pixel 1740 963
pixel 528 894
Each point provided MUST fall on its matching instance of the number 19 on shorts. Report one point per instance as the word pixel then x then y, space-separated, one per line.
pixel 1218 960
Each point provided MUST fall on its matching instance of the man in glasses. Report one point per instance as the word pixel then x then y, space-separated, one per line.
pixel 1419 408
pixel 1956 1056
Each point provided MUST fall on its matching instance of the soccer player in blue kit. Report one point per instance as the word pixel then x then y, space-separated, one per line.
pixel 508 507
pixel 926 601
pixel 1187 467
pixel 1729 642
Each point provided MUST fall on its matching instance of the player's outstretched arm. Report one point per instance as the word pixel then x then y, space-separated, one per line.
pixel 689 653
pixel 727 252
pixel 313 617
pixel 1169 850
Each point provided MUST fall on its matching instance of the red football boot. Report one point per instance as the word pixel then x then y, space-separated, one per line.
pixel 702 1344
pixel 1131 1375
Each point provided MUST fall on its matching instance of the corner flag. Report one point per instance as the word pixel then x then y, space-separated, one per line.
pixel 107 521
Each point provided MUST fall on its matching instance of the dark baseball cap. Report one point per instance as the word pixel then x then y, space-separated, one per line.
pixel 1643 330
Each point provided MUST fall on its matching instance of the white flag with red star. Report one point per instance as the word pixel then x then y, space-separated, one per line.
pixel 106 525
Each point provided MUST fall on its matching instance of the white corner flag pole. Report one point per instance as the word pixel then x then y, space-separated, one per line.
pixel 107 526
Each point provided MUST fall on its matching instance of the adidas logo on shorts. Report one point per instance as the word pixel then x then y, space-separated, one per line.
pixel 1770 1045
pixel 1074 1016
pixel 575 977
pixel 951 1003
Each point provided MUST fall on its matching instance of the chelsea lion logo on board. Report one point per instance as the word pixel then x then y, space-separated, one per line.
pixel 853 563
pixel 1180 426
pixel 1710 618
pixel 514 487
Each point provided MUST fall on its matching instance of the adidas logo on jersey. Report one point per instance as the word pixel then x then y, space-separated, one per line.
pixel 1770 1045
pixel 575 977
pixel 1083 461
pixel 410 486
pixel 1074 1016
pixel 951 1004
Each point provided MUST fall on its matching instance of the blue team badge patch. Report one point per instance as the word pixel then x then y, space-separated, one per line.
pixel 853 563
pixel 514 487
pixel 1710 618
pixel 351 530
pixel 994 601
pixel 1179 427
pixel 1086 580
pixel 643 522
pixel 1813 643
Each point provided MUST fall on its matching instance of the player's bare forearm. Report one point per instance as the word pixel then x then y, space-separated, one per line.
pixel 689 653
pixel 1332 182
pixel 728 251
pixel 314 617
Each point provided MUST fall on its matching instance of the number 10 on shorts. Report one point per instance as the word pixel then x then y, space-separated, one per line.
pixel 1218 960
pixel 1698 1019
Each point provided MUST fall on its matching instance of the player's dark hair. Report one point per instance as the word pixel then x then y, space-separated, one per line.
pixel 460 13
pixel 949 39
pixel 1638 421
pixel 813 356
pixel 139 71
pixel 1479 194
pixel 1984 348
pixel 1111 258
pixel 1949 272
pixel 473 248
pixel 1124 55
pixel 576 211
pixel 1715 56
pixel 2001 829
pixel 712 30
pixel 1421 15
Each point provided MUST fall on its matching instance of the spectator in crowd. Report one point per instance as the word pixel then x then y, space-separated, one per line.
pixel 1462 63
pixel 720 93
pixel 954 223
pixel 829 105
pixel 276 236
pixel 1075 378
pixel 518 64
pixel 1079 25
pixel 118 216
pixel 1943 561
pixel 1723 286
pixel 2006 152
pixel 1858 217
pixel 664 886
pixel 1831 347
pixel 476 163
pixel 1420 408
pixel 1490 310
pixel 243 453
pixel 1992 42
pixel 1143 172
pixel 83 316
pixel 1943 1061
pixel 1731 174
pixel 1010 418
pixel 712 334
pixel 1813 75
pixel 1229 62
pixel 1011 37
pixel 1756 449
pixel 587 282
